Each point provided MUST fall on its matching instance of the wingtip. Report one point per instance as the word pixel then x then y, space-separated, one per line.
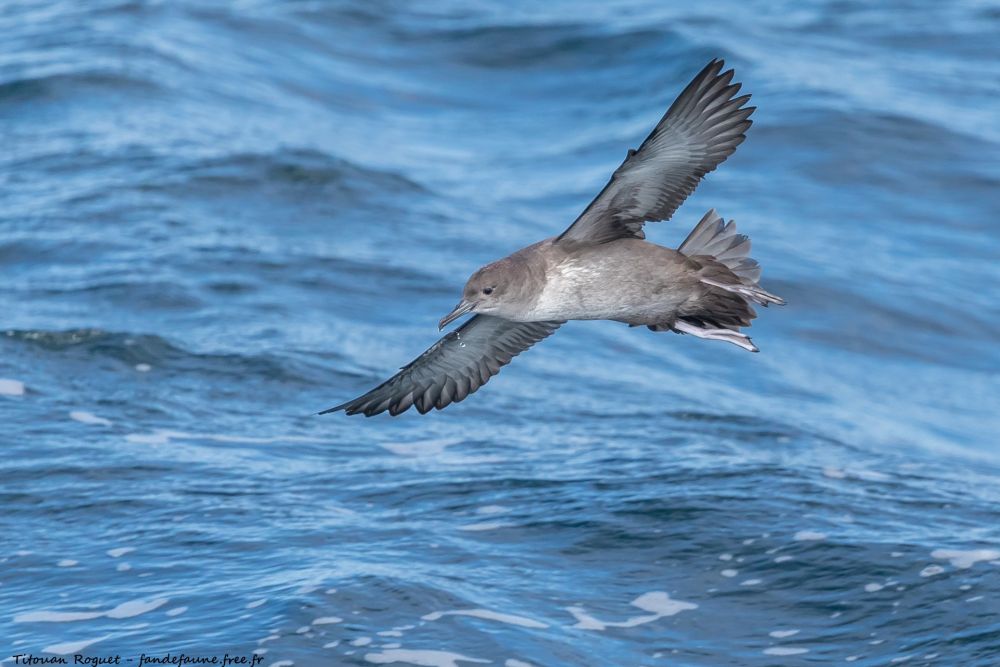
pixel 711 70
pixel 333 409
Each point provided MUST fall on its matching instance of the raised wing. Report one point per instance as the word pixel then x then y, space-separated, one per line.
pixel 454 367
pixel 700 130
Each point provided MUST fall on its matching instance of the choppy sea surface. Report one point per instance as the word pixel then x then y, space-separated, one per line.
pixel 217 219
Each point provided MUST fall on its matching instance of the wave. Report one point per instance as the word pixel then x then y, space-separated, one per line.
pixel 56 85
pixel 147 351
pixel 288 167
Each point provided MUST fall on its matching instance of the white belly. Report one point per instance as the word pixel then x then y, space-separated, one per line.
pixel 574 290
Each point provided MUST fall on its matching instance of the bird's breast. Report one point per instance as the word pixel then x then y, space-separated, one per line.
pixel 578 289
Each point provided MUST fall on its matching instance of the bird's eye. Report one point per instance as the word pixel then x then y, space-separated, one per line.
pixel 487 290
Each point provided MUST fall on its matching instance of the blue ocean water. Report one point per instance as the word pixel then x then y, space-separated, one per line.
pixel 217 219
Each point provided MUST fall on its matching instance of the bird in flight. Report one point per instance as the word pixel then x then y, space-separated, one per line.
pixel 602 268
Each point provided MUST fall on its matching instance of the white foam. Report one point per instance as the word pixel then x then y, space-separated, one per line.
pixel 657 602
pixel 176 611
pixel 124 610
pixel 488 615
pixel 585 621
pixel 963 560
pixel 425 658
pixel 751 582
pixel 362 641
pixel 492 509
pixel 902 658
pixel 974 598
pixel 68 648
pixel 511 662
pixel 484 525
pixel 143 368
pixel 725 556
pixel 11 387
pixel 390 633
pixel 782 559
pixel 120 551
pixel 872 475
pixel 282 663
pixel 135 608
pixel 56 616
pixel 931 570
pixel 662 604
pixel 157 438
pixel 88 418
pixel 67 562
pixel 781 634
pixel 834 473
pixel 256 603
pixel 123 567
pixel 808 535
pixel 335 643
pixel 729 572
pixel 304 629
pixel 327 620
pixel 873 587
pixel 785 650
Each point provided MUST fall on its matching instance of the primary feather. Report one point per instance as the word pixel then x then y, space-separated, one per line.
pixel 700 130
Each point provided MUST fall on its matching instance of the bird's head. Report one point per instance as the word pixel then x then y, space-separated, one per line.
pixel 489 290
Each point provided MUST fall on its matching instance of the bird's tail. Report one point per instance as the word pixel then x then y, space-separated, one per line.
pixel 730 283
pixel 719 240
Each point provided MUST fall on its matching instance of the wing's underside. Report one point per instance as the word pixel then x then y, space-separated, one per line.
pixel 451 369
pixel 701 129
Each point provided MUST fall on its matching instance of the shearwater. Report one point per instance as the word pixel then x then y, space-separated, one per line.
pixel 602 268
